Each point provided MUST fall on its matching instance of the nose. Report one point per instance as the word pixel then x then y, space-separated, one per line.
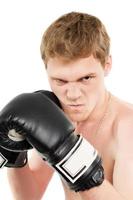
pixel 73 92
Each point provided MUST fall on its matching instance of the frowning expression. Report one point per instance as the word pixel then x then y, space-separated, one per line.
pixel 78 84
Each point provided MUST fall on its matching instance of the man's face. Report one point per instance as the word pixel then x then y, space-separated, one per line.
pixel 79 85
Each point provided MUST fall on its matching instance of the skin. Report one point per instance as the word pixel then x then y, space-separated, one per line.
pixel 80 87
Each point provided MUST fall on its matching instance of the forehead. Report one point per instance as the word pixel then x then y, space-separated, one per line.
pixel 60 68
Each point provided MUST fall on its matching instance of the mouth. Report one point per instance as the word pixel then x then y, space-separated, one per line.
pixel 75 106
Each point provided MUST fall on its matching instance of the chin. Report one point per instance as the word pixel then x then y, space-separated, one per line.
pixel 77 117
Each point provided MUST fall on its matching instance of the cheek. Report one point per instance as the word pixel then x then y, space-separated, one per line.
pixel 97 85
pixel 53 86
pixel 91 99
pixel 93 93
pixel 58 91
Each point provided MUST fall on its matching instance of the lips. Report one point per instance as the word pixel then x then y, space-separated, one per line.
pixel 75 106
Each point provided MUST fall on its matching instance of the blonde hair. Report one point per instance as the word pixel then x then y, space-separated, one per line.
pixel 75 35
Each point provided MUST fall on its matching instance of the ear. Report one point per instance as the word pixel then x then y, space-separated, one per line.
pixel 108 65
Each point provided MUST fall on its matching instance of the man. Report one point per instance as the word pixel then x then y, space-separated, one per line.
pixel 75 50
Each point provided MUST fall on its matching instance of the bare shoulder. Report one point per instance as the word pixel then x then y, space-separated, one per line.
pixel 123 121
pixel 123 111
pixel 122 169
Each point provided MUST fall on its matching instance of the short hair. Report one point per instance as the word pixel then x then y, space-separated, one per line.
pixel 76 35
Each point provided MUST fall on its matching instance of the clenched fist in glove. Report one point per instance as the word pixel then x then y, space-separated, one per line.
pixel 13 144
pixel 43 125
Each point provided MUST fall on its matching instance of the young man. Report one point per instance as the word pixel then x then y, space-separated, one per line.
pixel 75 50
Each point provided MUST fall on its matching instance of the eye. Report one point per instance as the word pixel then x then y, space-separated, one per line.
pixel 60 82
pixel 87 78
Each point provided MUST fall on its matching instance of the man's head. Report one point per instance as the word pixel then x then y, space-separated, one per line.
pixel 76 35
pixel 75 50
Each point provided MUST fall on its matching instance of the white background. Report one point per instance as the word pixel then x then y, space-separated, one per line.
pixel 22 23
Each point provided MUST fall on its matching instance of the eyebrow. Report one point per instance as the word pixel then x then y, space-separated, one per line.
pixel 89 74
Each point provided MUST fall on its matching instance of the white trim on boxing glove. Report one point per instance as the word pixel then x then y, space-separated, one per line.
pixel 78 160
pixel 3 161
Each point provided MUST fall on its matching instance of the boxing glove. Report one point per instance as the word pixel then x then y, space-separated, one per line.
pixel 49 131
pixel 13 145
pixel 12 159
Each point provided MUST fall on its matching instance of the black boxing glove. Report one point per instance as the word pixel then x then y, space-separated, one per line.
pixel 45 127
pixel 11 155
pixel 12 159
pixel 13 145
